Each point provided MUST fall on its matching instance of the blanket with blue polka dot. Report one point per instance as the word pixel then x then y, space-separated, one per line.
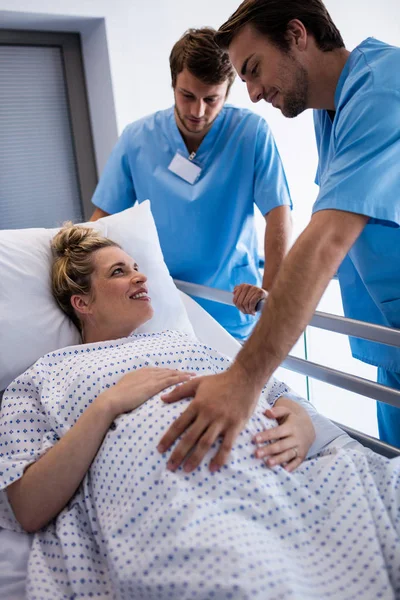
pixel 135 530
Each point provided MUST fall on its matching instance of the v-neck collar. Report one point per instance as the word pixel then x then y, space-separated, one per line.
pixel 207 142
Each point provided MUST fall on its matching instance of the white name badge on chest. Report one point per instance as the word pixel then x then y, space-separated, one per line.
pixel 184 168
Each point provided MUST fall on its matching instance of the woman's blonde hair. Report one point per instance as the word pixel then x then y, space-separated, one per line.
pixel 72 248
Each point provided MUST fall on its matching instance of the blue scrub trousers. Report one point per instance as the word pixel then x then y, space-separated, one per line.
pixel 389 416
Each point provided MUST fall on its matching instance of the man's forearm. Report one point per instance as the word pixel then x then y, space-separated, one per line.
pixel 297 289
pixel 277 237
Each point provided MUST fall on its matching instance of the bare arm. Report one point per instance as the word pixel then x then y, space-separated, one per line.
pixel 278 231
pixel 98 214
pixel 48 484
pixel 223 403
pixel 297 289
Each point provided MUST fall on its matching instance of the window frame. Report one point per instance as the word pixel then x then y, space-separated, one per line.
pixel 70 48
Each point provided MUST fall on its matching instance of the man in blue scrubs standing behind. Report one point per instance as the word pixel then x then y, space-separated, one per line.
pixel 203 165
pixel 291 54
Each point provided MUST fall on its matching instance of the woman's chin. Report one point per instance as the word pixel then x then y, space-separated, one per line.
pixel 145 318
pixel 150 313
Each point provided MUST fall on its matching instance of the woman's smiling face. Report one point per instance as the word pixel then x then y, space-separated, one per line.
pixel 119 302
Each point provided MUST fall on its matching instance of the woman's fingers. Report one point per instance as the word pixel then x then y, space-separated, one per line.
pixel 293 464
pixel 167 380
pixel 276 433
pixel 158 373
pixel 275 448
pixel 287 456
pixel 186 390
pixel 277 412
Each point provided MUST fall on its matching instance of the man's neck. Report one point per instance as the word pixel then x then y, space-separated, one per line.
pixel 192 140
pixel 324 79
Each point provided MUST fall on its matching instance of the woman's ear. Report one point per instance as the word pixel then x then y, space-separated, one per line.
pixel 81 304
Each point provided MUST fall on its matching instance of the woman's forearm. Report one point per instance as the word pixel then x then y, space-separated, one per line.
pixel 48 484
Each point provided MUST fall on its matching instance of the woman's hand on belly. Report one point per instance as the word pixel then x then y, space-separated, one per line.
pixel 134 388
pixel 288 443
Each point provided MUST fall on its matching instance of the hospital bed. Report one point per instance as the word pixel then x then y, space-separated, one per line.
pixel 14 547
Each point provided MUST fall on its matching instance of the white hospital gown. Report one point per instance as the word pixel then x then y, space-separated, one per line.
pixel 135 530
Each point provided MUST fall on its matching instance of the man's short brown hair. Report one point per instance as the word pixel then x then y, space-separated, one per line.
pixel 271 18
pixel 197 52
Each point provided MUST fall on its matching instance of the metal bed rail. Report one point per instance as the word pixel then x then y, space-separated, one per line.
pixel 352 383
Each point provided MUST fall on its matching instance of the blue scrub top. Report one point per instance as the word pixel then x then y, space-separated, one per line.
pixel 206 230
pixel 359 172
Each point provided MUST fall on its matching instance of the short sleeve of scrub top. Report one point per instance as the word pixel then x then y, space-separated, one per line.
pixel 363 171
pixel 359 172
pixel 115 191
pixel 270 185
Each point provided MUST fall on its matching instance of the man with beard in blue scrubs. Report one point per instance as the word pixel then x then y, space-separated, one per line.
pixel 203 165
pixel 292 55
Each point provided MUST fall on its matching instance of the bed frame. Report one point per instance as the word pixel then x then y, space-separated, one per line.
pixel 352 327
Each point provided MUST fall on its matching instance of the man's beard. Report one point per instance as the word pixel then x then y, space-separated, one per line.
pixel 186 125
pixel 295 102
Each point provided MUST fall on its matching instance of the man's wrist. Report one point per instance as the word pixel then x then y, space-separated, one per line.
pixel 241 375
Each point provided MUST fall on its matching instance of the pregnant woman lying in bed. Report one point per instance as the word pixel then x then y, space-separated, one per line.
pixel 79 466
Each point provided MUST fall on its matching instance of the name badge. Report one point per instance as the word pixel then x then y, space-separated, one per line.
pixel 184 168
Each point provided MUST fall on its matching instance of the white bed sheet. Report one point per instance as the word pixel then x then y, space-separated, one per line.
pixel 14 547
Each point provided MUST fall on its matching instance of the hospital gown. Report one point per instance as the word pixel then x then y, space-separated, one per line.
pixel 135 530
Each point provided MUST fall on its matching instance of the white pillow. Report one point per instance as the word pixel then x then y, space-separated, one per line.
pixel 32 324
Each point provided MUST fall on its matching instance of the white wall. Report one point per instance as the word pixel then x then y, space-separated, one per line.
pixel 126 49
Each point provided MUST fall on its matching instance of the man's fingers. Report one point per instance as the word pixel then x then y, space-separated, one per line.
pixel 247 301
pixel 239 298
pixel 203 445
pixel 186 390
pixel 238 289
pixel 225 448
pixel 254 300
pixel 246 297
pixel 176 429
pixel 187 444
pixel 251 301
